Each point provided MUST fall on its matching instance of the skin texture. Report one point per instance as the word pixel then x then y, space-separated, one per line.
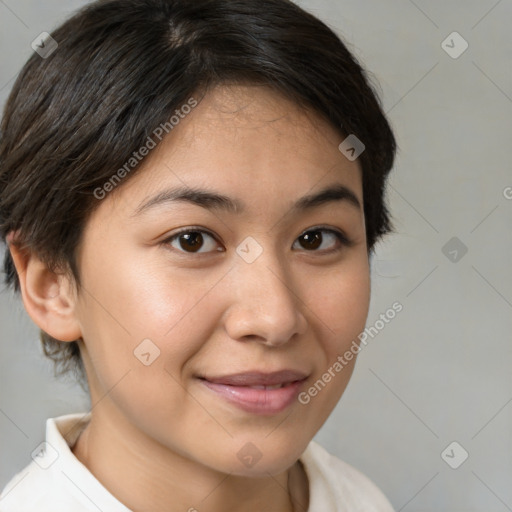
pixel 159 439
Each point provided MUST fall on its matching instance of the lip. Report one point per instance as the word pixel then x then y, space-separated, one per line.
pixel 239 389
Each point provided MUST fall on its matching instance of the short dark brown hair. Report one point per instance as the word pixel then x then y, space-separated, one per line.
pixel 122 67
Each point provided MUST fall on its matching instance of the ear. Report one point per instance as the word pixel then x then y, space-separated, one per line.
pixel 48 297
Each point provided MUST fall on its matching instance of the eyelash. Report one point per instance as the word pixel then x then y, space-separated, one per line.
pixel 340 236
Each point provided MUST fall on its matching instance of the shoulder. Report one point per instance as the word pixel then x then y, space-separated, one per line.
pixel 339 487
pixel 33 489
pixel 55 480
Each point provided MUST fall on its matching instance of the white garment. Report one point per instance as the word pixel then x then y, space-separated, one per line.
pixel 56 481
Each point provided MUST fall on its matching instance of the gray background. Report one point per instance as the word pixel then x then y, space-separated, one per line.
pixel 441 370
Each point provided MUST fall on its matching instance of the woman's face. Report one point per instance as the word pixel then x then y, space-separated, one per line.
pixel 205 341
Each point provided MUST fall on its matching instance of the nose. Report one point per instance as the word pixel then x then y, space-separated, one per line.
pixel 265 307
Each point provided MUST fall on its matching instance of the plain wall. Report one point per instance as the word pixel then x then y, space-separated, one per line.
pixel 441 370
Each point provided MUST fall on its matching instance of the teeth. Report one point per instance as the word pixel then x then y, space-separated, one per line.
pixel 275 386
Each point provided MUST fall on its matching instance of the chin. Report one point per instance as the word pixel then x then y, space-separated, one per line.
pixel 259 458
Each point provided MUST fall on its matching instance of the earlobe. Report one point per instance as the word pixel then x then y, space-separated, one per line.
pixel 48 297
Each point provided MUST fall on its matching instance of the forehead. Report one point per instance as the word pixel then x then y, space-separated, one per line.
pixel 250 143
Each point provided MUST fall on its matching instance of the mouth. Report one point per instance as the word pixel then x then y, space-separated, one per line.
pixel 258 392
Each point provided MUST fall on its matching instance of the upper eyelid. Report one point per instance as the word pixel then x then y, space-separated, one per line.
pixel 345 239
pixel 190 230
pixel 193 229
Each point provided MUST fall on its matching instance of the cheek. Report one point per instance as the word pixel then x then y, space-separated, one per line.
pixel 145 299
pixel 141 329
pixel 342 304
pixel 126 303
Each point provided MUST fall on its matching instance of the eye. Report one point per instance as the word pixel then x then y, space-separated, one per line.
pixel 312 239
pixel 192 240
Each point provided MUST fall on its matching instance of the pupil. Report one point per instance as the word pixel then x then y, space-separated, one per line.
pixel 193 239
pixel 314 240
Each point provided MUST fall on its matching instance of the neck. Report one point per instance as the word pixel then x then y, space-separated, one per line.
pixel 145 475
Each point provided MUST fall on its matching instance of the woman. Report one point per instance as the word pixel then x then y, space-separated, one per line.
pixel 191 192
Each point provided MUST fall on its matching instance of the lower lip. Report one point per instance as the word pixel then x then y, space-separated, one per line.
pixel 258 401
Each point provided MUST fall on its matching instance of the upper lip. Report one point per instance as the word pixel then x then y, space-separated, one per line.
pixel 258 378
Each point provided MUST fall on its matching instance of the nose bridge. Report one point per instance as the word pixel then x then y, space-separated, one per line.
pixel 265 303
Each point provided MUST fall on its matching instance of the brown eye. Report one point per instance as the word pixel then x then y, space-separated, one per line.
pixel 192 241
pixel 314 238
pixel 311 240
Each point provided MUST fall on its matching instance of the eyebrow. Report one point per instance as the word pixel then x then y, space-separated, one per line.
pixel 212 200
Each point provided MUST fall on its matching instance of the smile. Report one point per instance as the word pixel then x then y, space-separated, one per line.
pixel 257 392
